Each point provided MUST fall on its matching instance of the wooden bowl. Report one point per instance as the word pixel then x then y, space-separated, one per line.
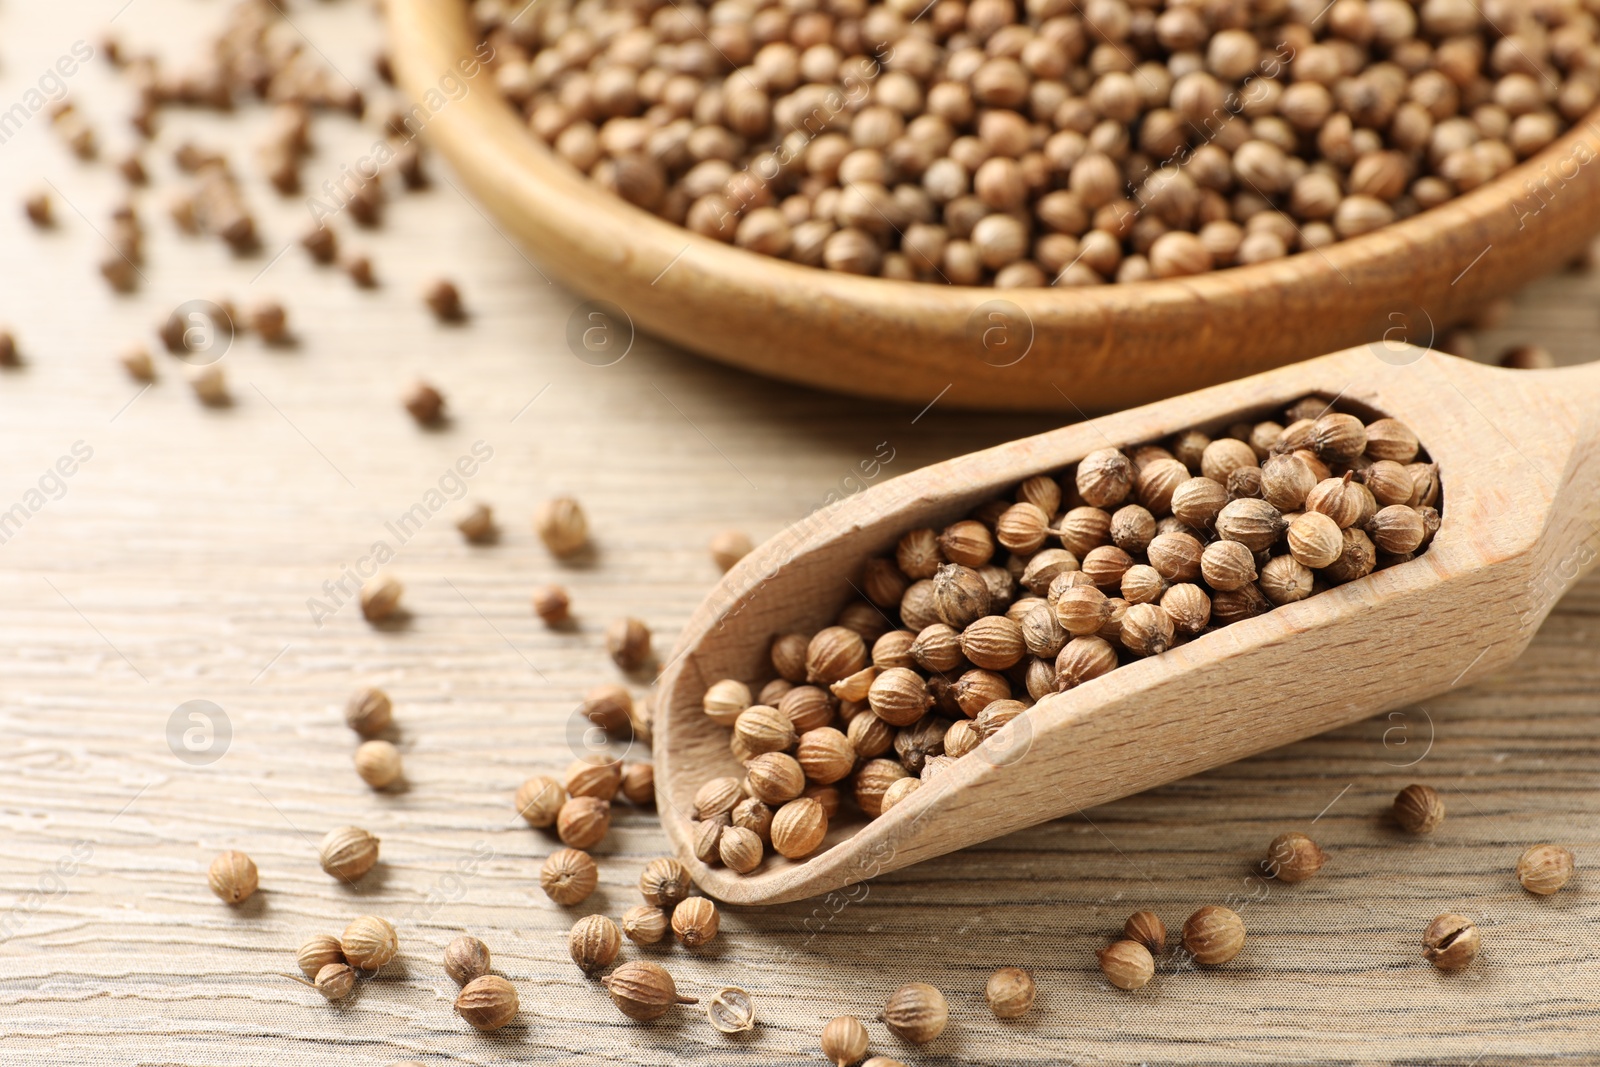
pixel 1076 350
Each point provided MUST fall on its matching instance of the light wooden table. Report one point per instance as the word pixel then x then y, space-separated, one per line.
pixel 177 563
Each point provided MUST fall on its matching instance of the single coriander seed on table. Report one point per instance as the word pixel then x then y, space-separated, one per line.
pixel 539 801
pixel 1451 942
pixel 476 523
pixel 488 1002
pixel 1293 857
pixel 1010 992
pixel 1213 935
pixel 916 1012
pixel 1544 869
pixel 233 877
pixel 380 596
pixel 645 924
pixel 643 991
pixel 378 763
pixel 551 604
pixel 593 943
pixel 369 942
pixel 562 526
pixel 444 300
pixel 1127 964
pixel 425 403
pixel 568 876
pixel 583 822
pixel 348 852
pixel 1146 928
pixel 628 643
pixel 844 1040
pixel 209 385
pixel 465 959
pixel 695 921
pixel 368 712
pixel 1419 809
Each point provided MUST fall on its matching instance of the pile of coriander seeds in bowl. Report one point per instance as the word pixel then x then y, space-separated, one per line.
pixel 1070 575
pixel 1045 142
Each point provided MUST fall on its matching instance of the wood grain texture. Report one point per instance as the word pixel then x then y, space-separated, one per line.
pixel 1519 462
pixel 1092 349
pixel 178 565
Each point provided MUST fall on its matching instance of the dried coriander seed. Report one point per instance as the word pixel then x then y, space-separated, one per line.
pixel 799 827
pixel 740 849
pixel 645 924
pixel 638 784
pixel 642 990
pixel 593 942
pixel 476 523
pixel 729 547
pixel 380 597
pixel 665 882
pixel 335 981
pixel 444 300
pixel 732 1011
pixel 1010 992
pixel 562 526
pixel 348 852
pixel 1293 857
pixel 369 942
pixel 583 822
pixel 844 1040
pixel 1213 935
pixel 1419 809
pixel 1543 869
pixel 318 953
pixel 465 959
pixel 916 1012
pixel 1147 929
pixel 539 801
pixel 628 643
pixel 487 1003
pixel 233 877
pixel 1127 964
pixel 568 876
pixel 378 763
pixel 369 711
pixel 210 385
pixel 135 360
pixel 695 920
pixel 551 604
pixel 1451 942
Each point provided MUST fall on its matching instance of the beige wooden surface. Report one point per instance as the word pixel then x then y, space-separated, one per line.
pixel 179 562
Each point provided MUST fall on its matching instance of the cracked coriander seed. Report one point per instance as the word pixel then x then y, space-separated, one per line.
pixel 568 876
pixel 1293 857
pixel 732 1011
pixel 1213 935
pixel 645 924
pixel 844 1040
pixel 593 943
pixel 1543 869
pixel 562 526
pixel 465 959
pixel 233 877
pixel 695 920
pixel 1010 992
pixel 916 1012
pixel 348 853
pixel 642 990
pixel 488 1002
pixel 1419 809
pixel 1146 928
pixel 1451 942
pixel 1126 964
pixel 369 942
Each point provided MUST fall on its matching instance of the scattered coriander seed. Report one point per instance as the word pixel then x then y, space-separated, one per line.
pixel 642 990
pixel 444 300
pixel 476 523
pixel 369 711
pixel 136 361
pixel 488 1002
pixel 1293 857
pixel 380 596
pixel 1010 992
pixel 1213 935
pixel 369 942
pixel 318 953
pixel 1451 942
pixel 1127 964
pixel 233 877
pixel 638 785
pixel 335 981
pixel 539 801
pixel 562 526
pixel 425 403
pixel 916 1012
pixel 594 942
pixel 271 323
pixel 645 924
pixel 729 547
pixel 466 958
pixel 732 1011
pixel 583 822
pixel 1543 869
pixel 568 876
pixel 610 707
pixel 321 244
pixel 1146 928
pixel 665 882
pixel 844 1040
pixel 38 208
pixel 210 385
pixel 348 852
pixel 695 920
pixel 628 643
pixel 378 763
pixel 359 268
pixel 550 603
pixel 1419 809
pixel 10 355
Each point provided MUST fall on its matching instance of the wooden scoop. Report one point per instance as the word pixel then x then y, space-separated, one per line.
pixel 1519 461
